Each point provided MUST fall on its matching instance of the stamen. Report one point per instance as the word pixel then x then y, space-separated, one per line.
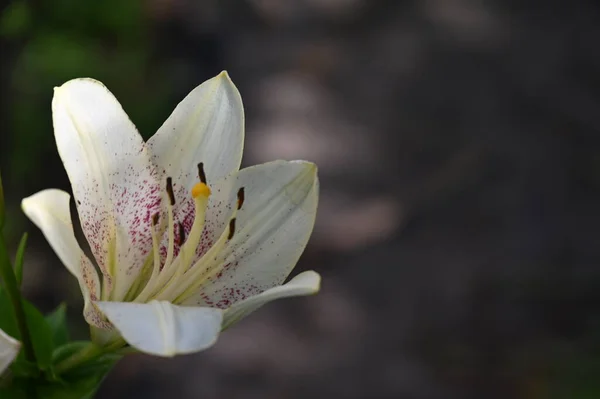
pixel 142 291
pixel 170 191
pixel 240 198
pixel 201 174
pixel 181 234
pixel 171 223
pixel 174 270
pixel 159 270
pixel 231 229
pixel 155 247
pixel 204 269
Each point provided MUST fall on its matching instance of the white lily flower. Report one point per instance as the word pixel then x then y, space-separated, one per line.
pixel 9 348
pixel 185 243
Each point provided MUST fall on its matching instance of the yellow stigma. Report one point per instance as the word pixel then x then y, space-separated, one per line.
pixel 200 189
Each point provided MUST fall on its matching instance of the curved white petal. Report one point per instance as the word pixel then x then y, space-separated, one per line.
pixel 272 229
pixel 49 211
pixel 306 283
pixel 9 348
pixel 111 174
pixel 207 126
pixel 163 329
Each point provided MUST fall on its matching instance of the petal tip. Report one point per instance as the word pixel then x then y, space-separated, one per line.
pixel 24 203
pixel 57 93
pixel 317 287
pixel 312 170
pixel 25 206
pixel 224 79
pixel 78 81
pixel 312 167
pixel 307 164
pixel 224 75
pixel 314 281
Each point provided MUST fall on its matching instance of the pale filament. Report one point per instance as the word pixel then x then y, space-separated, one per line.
pixel 200 193
pixel 205 268
pixel 178 276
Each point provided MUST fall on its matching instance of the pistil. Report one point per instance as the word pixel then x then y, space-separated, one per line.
pixel 209 265
pixel 173 269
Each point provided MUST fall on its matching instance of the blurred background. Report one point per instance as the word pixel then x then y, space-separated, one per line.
pixel 459 151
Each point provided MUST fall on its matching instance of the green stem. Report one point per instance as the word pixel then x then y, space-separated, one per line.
pixel 10 284
pixel 89 352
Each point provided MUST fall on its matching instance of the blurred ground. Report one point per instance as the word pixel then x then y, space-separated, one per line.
pixel 459 152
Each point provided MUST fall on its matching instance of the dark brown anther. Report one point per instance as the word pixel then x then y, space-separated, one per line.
pixel 201 173
pixel 170 191
pixel 231 229
pixel 155 219
pixel 181 234
pixel 240 197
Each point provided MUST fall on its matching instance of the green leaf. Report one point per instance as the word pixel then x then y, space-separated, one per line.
pixel 57 320
pixel 8 322
pixel 81 389
pixel 64 351
pixel 40 331
pixel 11 287
pixel 41 335
pixel 81 382
pixel 23 368
pixel 19 259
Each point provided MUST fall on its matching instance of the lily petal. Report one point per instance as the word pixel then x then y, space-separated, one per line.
pixel 208 127
pixel 306 283
pixel 112 177
pixel 272 229
pixel 162 329
pixel 9 348
pixel 49 211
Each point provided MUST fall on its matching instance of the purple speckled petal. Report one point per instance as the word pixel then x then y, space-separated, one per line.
pixel 306 283
pixel 220 207
pixel 273 227
pixel 208 127
pixel 49 211
pixel 114 183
